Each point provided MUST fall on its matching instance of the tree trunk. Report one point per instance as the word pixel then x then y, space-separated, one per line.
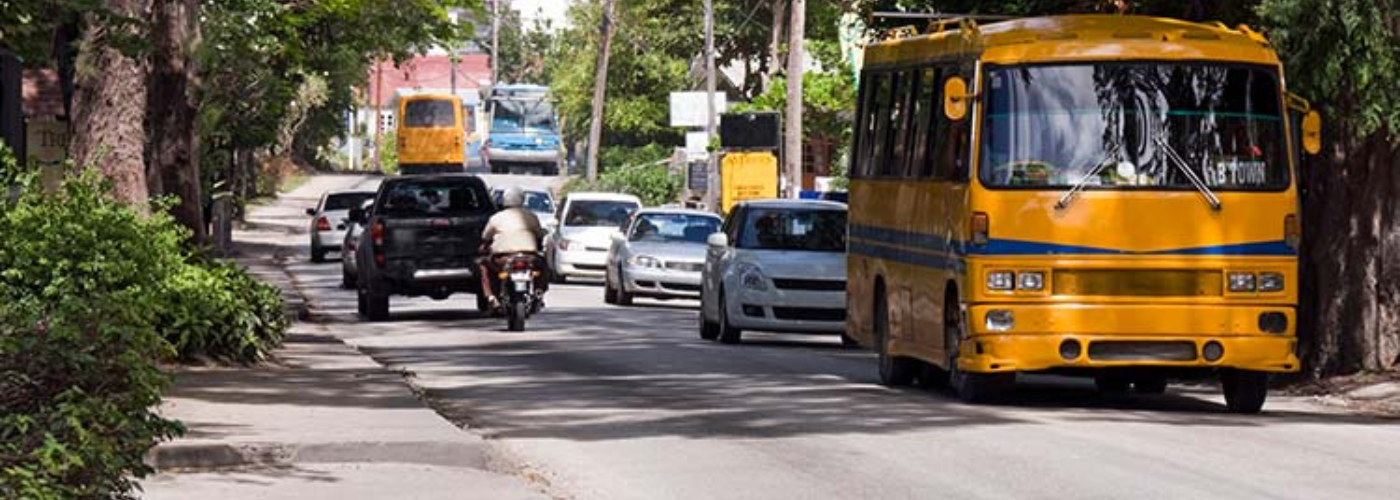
pixel 109 107
pixel 775 42
pixel 172 112
pixel 1349 318
pixel 600 87
pixel 792 139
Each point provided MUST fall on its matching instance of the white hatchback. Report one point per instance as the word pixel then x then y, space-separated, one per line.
pixel 578 247
pixel 777 265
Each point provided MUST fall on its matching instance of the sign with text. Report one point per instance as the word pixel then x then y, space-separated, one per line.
pixel 688 108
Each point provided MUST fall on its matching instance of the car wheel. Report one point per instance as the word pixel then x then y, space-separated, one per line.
pixel 609 292
pixel 361 304
pixel 318 255
pixel 971 387
pixel 347 280
pixel 895 371
pixel 623 297
pixel 1150 385
pixel 728 334
pixel 1245 390
pixel 708 329
pixel 376 306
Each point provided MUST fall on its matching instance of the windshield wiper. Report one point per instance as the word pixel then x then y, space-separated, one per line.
pixel 1175 159
pixel 1084 181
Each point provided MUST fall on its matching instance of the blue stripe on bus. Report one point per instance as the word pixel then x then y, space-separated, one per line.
pixel 903 256
pixel 934 243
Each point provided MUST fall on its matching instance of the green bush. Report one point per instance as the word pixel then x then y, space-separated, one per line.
pixel 81 281
pixel 217 310
pixel 634 171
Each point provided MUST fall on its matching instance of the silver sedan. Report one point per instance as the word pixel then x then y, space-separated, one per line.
pixel 659 255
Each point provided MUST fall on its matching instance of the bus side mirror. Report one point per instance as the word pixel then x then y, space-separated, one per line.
pixel 955 98
pixel 1312 133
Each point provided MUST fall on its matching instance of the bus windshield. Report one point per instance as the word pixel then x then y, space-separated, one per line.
pixel 523 116
pixel 429 113
pixel 1133 125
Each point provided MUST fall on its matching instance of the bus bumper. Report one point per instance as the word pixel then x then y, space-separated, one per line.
pixel 1043 337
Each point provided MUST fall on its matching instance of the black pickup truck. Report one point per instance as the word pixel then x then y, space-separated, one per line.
pixel 421 239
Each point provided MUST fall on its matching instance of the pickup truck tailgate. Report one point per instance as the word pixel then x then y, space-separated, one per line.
pixel 433 243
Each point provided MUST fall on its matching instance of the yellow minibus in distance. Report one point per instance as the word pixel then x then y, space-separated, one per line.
pixel 431 134
pixel 1103 196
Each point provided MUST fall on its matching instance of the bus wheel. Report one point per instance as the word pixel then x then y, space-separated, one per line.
pixel 1245 390
pixel 970 386
pixel 895 371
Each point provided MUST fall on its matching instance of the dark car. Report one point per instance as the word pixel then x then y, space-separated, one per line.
pixel 421 239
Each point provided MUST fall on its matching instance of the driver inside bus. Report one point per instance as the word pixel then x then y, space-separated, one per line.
pixel 511 231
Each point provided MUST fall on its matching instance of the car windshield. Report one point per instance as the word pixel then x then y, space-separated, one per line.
pixel 816 230
pixel 429 113
pixel 538 202
pixel 523 116
pixel 600 213
pixel 1119 125
pixel 345 201
pixel 433 197
pixel 673 228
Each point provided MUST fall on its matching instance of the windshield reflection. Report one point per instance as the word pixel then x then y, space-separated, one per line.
pixel 1053 125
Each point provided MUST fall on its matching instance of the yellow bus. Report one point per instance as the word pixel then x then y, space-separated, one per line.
pixel 1104 196
pixel 431 134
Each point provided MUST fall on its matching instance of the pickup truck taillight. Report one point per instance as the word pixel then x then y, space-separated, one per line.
pixel 323 224
pixel 376 236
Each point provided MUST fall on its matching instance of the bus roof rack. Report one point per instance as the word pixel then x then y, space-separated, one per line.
pixel 937 21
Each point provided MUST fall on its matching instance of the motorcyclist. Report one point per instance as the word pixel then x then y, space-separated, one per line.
pixel 511 231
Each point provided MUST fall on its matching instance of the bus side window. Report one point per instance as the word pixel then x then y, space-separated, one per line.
pixel 928 109
pixel 879 159
pixel 900 125
pixel 860 161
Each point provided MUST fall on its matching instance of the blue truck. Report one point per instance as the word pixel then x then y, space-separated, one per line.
pixel 523 134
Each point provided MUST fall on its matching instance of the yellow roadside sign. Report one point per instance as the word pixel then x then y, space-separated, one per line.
pixel 747 176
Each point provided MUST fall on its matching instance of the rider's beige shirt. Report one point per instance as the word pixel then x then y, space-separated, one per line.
pixel 513 230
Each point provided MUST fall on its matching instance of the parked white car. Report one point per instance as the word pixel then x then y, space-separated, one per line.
pixel 328 220
pixel 779 266
pixel 578 246
pixel 660 255
pixel 349 265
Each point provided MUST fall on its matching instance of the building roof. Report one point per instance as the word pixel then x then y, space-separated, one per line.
pixel 428 72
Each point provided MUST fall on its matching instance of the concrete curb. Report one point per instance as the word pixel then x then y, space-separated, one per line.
pixel 175 456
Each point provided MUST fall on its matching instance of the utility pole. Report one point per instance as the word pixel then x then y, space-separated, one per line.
pixel 495 41
pixel 378 120
pixel 600 87
pixel 792 139
pixel 711 161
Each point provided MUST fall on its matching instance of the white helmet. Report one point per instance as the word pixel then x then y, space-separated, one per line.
pixel 513 197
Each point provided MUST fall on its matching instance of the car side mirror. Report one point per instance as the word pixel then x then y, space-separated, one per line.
pixel 357 215
pixel 311 212
pixel 718 241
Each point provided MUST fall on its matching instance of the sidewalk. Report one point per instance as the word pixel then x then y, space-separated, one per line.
pixel 320 421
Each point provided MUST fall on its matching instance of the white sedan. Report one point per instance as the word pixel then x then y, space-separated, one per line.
pixel 328 220
pixel 660 255
pixel 778 265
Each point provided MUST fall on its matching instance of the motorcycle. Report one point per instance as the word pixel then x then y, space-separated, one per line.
pixel 517 295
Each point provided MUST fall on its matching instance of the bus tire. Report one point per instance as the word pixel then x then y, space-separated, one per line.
pixel 1245 390
pixel 895 371
pixel 971 387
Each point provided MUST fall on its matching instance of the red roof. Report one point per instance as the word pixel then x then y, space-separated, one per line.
pixel 429 72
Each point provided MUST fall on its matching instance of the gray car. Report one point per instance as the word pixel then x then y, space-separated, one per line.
pixel 659 255
pixel 349 266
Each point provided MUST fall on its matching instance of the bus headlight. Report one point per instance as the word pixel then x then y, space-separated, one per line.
pixel 1241 282
pixel 1001 281
pixel 1031 281
pixel 1000 320
pixel 1270 282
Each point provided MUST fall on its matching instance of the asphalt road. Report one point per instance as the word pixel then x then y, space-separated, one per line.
pixel 612 403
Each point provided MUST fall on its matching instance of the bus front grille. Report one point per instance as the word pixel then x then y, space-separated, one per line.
pixel 1126 350
pixel 1138 283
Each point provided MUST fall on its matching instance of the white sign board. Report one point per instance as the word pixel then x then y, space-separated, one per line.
pixel 688 108
pixel 695 143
